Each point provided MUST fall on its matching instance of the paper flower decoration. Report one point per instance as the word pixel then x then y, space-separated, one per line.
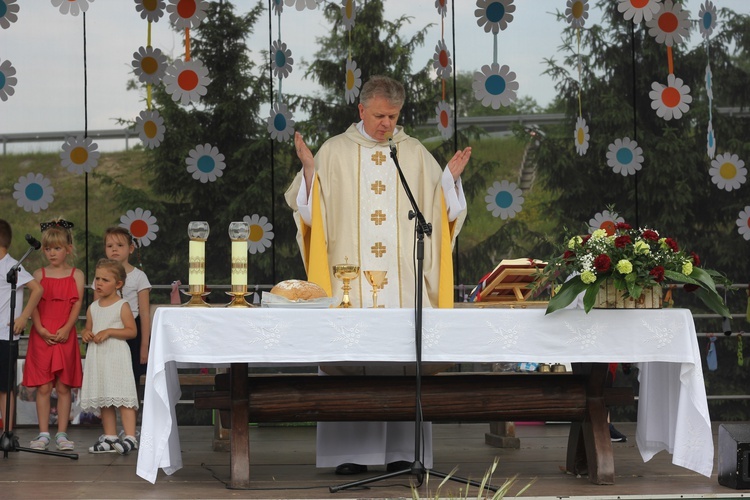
pixel 504 199
pixel 278 6
pixel 261 233
pixel 8 13
pixel 353 81
pixel 79 155
pixel 442 7
pixel 670 25
pixel 495 85
pixel 709 82
pixel 282 59
pixel 141 224
pixel 186 80
pixel 671 100
pixel 7 80
pixel 707 18
pixel 605 220
pixel 302 4
pixel 494 15
pixel 72 7
pixel 280 123
pixel 33 192
pixel 625 156
pixel 576 12
pixel 149 65
pixel 150 10
pixel 728 171
pixel 582 136
pixel 150 128
pixel 186 13
pixel 348 14
pixel 638 10
pixel 205 163
pixel 441 60
pixel 743 223
pixel 444 119
pixel 710 141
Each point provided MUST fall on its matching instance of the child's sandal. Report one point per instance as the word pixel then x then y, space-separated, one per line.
pixel 63 443
pixel 41 442
pixel 105 445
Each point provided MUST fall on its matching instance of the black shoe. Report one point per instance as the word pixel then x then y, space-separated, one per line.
pixel 398 466
pixel 616 436
pixel 348 469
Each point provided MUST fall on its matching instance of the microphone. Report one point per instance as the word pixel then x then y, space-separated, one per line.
pixel 391 146
pixel 33 242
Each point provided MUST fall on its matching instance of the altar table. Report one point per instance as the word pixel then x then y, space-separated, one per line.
pixel 672 407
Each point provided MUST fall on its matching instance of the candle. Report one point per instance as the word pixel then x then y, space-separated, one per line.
pixel 197 263
pixel 239 262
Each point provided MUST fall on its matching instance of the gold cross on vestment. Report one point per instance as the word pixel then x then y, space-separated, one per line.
pixel 378 187
pixel 378 249
pixel 379 158
pixel 378 217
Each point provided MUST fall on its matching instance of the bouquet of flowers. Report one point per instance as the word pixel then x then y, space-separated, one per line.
pixel 634 259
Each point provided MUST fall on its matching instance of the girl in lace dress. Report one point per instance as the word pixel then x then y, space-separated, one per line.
pixel 108 382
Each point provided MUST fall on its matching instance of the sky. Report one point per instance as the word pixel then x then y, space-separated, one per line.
pixel 46 49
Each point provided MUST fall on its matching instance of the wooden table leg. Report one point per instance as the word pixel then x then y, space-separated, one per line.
pixel 240 438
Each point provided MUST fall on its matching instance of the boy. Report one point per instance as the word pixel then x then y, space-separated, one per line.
pixel 18 324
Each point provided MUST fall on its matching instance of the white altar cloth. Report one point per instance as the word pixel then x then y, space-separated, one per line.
pixel 672 406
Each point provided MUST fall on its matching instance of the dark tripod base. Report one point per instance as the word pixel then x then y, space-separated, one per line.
pixel 9 443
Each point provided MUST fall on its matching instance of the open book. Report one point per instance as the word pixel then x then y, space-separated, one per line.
pixel 508 282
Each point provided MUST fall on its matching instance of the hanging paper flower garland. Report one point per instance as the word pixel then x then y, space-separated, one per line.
pixel 494 85
pixel 281 58
pixel 670 25
pixel 141 224
pixel 278 6
pixel 576 12
pixel 706 23
pixel 348 14
pixel 444 119
pixel 605 220
pixel 149 65
pixel 353 81
pixel 33 192
pixel 79 155
pixel 302 4
pixel 494 15
pixel 261 233
pixel 728 171
pixel 504 199
pixel 671 100
pixel 582 136
pixel 8 13
pixel 743 223
pixel 707 19
pixel 72 7
pixel 280 122
pixel 625 156
pixel 186 81
pixel 441 60
pixel 205 163
pixel 150 128
pixel 442 7
pixel 150 10
pixel 638 10
pixel 710 141
pixel 7 80
pixel 186 13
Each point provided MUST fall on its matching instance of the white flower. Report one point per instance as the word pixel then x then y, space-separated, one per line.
pixel 33 192
pixel 495 86
pixel 442 7
pixel 670 25
pixel 72 7
pixel 444 119
pixel 671 100
pixel 625 156
pixel 605 220
pixel 186 80
pixel 707 18
pixel 281 58
pixel 278 6
pixel 9 13
pixel 261 233
pixel 348 14
pixel 494 15
pixel 504 199
pixel 353 81
pixel 743 223
pixel 280 123
pixel 7 80
pixel 638 10
pixel 151 10
pixel 302 4
pixel 150 64
pixel 150 128
pixel 710 141
pixel 205 163
pixel 576 12
pixel 141 224
pixel 186 13
pixel 709 83
pixel 728 171
pixel 441 60
pixel 582 136
pixel 79 155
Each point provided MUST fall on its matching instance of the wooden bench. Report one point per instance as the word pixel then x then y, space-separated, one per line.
pixel 580 397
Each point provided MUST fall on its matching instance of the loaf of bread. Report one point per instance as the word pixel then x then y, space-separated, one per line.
pixel 297 290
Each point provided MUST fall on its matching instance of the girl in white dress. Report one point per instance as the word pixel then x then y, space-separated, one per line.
pixel 108 375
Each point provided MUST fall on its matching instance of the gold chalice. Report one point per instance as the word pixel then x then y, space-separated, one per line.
pixel 376 280
pixel 346 273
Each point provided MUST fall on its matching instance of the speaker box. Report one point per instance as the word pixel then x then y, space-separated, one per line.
pixel 734 448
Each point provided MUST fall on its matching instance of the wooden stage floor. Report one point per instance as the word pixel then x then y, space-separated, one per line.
pixel 283 466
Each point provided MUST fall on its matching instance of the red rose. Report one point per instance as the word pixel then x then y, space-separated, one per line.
pixel 622 241
pixel 696 259
pixel 650 234
pixel 568 255
pixel 623 226
pixel 657 273
pixel 602 263
pixel 585 238
pixel 672 244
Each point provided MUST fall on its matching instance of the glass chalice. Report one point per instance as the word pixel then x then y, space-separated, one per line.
pixel 376 280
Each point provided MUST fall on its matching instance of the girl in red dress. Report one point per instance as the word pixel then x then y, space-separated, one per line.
pixel 53 358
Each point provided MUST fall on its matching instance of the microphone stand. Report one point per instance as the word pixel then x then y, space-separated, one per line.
pixel 9 442
pixel 417 468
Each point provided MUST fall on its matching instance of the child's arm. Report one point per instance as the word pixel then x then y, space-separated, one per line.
pixel 86 334
pixel 36 319
pixel 35 296
pixel 62 334
pixel 127 332
pixel 144 312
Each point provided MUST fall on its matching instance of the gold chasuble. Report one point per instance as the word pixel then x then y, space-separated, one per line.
pixel 360 215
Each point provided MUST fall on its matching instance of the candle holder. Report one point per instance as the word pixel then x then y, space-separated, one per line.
pixel 239 232
pixel 198 233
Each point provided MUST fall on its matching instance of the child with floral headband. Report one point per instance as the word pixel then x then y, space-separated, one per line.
pixel 53 358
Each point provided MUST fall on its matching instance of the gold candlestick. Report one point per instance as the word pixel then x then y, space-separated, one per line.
pixel 239 232
pixel 346 273
pixel 376 280
pixel 198 233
